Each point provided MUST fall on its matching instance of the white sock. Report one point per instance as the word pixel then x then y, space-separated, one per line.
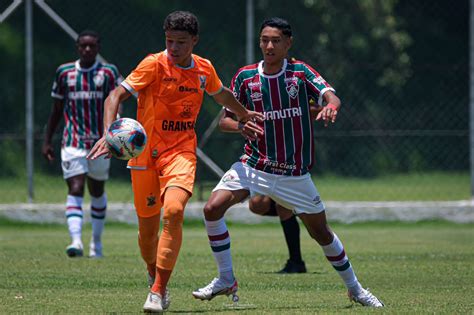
pixel 336 255
pixel 219 240
pixel 74 218
pixel 98 212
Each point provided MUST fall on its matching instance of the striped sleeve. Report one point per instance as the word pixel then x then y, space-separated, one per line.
pixel 237 87
pixel 317 86
pixel 117 77
pixel 58 89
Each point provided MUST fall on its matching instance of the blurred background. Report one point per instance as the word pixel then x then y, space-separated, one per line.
pixel 400 68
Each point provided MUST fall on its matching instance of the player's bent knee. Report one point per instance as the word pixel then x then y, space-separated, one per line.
pixel 213 211
pixel 323 236
pixel 174 211
pixel 76 190
pixel 257 210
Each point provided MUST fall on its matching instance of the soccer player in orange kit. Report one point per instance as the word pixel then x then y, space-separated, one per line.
pixel 170 87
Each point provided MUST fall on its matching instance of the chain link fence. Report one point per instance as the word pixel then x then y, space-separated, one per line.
pixel 399 67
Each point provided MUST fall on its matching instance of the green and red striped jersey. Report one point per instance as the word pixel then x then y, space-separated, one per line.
pixel 287 146
pixel 83 92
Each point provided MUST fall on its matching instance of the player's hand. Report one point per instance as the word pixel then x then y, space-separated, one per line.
pixel 314 110
pixel 251 119
pixel 250 130
pixel 47 151
pixel 100 148
pixel 251 115
pixel 328 114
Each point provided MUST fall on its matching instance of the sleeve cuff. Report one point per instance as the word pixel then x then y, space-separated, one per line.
pixel 129 88
pixel 58 96
pixel 216 92
pixel 321 94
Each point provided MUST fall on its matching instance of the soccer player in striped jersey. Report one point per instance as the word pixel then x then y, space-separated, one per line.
pixel 265 206
pixel 79 91
pixel 277 163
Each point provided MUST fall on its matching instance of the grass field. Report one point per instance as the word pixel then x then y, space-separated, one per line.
pixel 414 268
pixel 435 186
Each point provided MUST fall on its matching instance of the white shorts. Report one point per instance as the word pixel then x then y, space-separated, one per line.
pixel 74 162
pixel 297 193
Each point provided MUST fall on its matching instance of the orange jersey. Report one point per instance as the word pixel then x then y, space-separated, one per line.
pixel 169 100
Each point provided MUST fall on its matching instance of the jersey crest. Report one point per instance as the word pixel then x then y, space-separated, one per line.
pixel 99 78
pixel 202 80
pixel 292 90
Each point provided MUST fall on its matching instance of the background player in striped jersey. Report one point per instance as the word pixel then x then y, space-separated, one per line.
pixel 170 87
pixel 264 205
pixel 79 91
pixel 276 164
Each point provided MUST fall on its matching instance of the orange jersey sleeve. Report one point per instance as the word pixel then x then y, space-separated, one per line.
pixel 143 75
pixel 214 85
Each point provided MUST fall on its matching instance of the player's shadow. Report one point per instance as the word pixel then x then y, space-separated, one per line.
pixel 237 308
pixel 277 273
pixel 252 307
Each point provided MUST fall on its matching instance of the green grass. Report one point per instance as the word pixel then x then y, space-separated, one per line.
pixel 413 268
pixel 434 186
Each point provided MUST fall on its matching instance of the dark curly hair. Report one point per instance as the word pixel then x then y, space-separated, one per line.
pixel 90 33
pixel 278 23
pixel 181 21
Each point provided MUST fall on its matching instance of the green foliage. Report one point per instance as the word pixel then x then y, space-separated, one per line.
pixel 10 41
pixel 12 156
pixel 413 268
pixel 364 32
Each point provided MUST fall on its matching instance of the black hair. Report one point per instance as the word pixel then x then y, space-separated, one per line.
pixel 278 23
pixel 90 33
pixel 181 21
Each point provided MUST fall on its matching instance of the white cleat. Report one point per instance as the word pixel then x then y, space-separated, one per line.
pixel 155 303
pixel 215 288
pixel 166 301
pixel 95 250
pixel 366 298
pixel 74 250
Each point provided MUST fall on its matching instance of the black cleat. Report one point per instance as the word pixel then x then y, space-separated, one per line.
pixel 293 267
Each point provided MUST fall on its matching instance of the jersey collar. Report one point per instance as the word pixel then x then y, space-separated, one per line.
pixel 283 68
pixel 78 66
pixel 178 66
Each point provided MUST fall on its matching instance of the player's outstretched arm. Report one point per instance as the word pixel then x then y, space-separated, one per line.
pixel 330 111
pixel 111 106
pixel 227 99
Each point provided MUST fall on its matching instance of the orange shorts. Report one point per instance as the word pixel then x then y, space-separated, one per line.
pixel 149 185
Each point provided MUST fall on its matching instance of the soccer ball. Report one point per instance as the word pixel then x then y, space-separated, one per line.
pixel 126 138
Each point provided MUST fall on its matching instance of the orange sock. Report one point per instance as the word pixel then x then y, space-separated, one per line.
pixel 171 237
pixel 161 280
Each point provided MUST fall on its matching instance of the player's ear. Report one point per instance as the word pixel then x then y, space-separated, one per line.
pixel 290 42
pixel 195 39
